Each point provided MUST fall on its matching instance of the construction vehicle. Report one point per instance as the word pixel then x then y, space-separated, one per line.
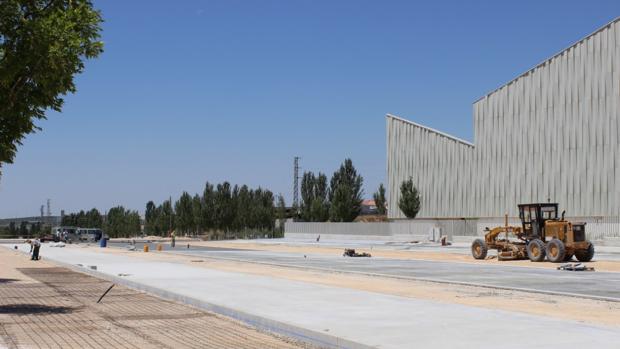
pixel 541 234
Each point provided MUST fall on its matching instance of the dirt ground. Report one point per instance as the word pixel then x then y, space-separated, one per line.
pixel 613 266
pixel 561 307
pixel 44 306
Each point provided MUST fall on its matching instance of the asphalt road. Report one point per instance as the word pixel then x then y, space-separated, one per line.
pixel 591 284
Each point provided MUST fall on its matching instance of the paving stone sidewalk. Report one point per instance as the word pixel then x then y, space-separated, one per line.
pixel 54 307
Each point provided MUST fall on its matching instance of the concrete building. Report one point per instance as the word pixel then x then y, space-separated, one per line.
pixel 552 133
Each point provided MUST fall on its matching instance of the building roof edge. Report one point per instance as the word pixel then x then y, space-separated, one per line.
pixel 429 129
pixel 545 61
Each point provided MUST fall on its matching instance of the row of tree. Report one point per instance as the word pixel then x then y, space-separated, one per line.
pixel 25 229
pixel 90 219
pixel 118 221
pixel 340 202
pixel 409 202
pixel 220 208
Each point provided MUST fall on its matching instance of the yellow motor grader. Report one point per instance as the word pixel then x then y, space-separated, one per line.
pixel 541 234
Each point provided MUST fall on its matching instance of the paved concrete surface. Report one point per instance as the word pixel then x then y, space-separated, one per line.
pixel 607 253
pixel 51 307
pixel 369 318
pixel 593 284
pixel 182 246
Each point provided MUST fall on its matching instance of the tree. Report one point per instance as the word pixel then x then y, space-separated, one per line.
pixel 345 193
pixel 43 45
pixel 223 207
pixel 122 223
pixel 23 228
pixel 314 206
pixel 94 219
pixel 380 201
pixel 116 222
pixel 281 213
pixel 133 226
pixel 184 213
pixel 207 218
pixel 150 218
pixel 409 201
pixel 167 218
pixel 307 195
pixel 320 205
pixel 12 229
pixel 197 213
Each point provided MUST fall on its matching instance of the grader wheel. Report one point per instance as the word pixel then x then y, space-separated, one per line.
pixel 556 251
pixel 479 249
pixel 536 250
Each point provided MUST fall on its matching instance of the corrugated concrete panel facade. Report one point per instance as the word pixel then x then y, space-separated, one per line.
pixel 552 133
pixel 436 163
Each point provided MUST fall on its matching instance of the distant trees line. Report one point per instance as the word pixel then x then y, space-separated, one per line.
pixel 222 209
pixel 25 229
pixel 118 221
pixel 341 201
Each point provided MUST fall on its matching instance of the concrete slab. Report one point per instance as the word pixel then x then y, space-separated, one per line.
pixel 378 320
pixel 604 285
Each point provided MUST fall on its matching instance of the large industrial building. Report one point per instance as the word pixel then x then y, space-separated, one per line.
pixel 552 133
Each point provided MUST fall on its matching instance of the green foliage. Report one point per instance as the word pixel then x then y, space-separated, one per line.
pixel 345 194
pixel 281 214
pixel 409 202
pixel 90 219
pixel 23 228
pixel 43 45
pixel 380 201
pixel 314 205
pixel 184 213
pixel 196 214
pixel 224 208
pixel 207 217
pixel 234 212
pixel 150 219
pixel 122 223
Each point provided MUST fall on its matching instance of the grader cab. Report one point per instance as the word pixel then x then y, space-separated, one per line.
pixel 541 234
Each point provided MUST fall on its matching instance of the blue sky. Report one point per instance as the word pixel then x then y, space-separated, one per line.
pixel 190 91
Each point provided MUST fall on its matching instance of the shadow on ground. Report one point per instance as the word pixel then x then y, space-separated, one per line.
pixel 34 309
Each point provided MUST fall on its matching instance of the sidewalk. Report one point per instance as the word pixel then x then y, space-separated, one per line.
pixel 370 319
pixel 45 306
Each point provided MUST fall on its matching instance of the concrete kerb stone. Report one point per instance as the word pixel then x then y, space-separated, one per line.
pixel 312 337
pixel 438 281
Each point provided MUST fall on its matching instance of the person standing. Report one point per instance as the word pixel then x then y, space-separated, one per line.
pixel 36 245
pixel 173 240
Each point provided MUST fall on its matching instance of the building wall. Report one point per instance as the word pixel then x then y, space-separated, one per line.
pixel 551 133
pixel 436 162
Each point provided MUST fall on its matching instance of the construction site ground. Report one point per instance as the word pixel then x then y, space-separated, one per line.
pixel 43 305
pixel 353 305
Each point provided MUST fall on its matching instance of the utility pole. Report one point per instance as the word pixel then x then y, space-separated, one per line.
pixel 296 184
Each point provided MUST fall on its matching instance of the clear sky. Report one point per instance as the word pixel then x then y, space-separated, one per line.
pixel 190 91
